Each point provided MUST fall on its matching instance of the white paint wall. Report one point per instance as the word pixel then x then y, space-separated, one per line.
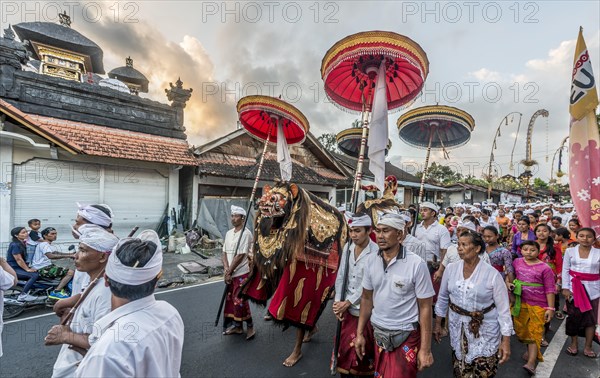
pixel 6 161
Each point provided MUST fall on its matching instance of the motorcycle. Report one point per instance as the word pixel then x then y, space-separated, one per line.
pixel 13 307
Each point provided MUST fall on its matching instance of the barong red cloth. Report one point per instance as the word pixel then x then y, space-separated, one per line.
pixel 402 361
pixel 235 307
pixel 580 299
pixel 302 294
pixel 348 362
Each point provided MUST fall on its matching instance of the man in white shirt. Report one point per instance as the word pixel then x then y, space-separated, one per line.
pixel 140 337
pixel 95 244
pixel 410 243
pixel 97 215
pixel 44 253
pixel 568 213
pixel 435 236
pixel 397 299
pixel 354 257
pixel 236 309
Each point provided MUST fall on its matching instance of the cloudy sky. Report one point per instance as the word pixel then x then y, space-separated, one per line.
pixel 487 58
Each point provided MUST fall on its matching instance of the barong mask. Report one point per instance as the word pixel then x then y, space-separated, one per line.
pixel 293 224
pixel 273 202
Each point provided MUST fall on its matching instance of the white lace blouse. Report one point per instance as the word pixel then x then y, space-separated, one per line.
pixel 484 287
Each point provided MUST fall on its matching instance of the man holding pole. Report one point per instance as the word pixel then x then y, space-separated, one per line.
pixel 397 299
pixel 141 336
pixel 237 310
pixel 356 253
pixel 95 244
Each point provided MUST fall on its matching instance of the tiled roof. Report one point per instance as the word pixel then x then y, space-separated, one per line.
pixel 105 141
pixel 216 164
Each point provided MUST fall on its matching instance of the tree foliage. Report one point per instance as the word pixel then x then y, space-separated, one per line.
pixel 538 183
pixel 328 141
pixel 441 174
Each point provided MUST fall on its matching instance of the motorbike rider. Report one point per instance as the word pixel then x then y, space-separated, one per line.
pixel 16 257
pixel 44 253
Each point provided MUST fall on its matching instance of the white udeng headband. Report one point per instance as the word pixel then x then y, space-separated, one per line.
pixel 135 275
pixel 391 219
pixel 94 215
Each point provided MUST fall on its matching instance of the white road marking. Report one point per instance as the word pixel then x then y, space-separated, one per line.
pixel 212 281
pixel 544 369
pixel 27 318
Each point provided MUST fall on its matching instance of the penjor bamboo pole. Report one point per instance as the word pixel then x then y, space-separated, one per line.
pixel 254 188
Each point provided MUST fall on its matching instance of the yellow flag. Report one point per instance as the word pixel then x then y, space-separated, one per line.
pixel 584 96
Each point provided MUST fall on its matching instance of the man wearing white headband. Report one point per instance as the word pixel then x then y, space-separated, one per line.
pixel 133 270
pixel 410 243
pixel 95 245
pixel 397 299
pixel 94 216
pixel 100 215
pixel 353 260
pixel 237 310
pixel 435 236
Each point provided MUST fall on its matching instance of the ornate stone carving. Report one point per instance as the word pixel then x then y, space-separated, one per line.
pixel 12 55
pixel 9 33
pixel 178 97
pixel 64 19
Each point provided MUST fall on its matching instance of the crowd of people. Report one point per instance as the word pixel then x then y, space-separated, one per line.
pixel 488 271
pixel 475 274
pixel 112 287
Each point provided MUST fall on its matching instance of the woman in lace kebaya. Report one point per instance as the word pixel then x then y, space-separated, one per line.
pixel 480 322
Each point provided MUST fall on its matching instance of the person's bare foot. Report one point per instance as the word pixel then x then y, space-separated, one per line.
pixel 292 359
pixel 310 334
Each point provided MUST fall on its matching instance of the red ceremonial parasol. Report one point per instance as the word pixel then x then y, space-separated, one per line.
pixel 264 117
pixel 436 127
pixel 258 114
pixel 349 70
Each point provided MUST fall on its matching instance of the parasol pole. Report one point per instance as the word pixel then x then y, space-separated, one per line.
pixel 361 159
pixel 422 188
pixel 254 188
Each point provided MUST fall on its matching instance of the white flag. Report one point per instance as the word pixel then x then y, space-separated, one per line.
pixel 283 154
pixel 378 130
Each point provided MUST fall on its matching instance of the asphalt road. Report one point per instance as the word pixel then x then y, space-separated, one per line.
pixel 207 353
